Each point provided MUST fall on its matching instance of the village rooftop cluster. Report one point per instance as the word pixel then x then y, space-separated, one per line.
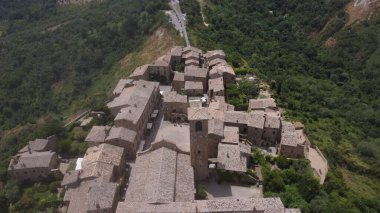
pixel 170 129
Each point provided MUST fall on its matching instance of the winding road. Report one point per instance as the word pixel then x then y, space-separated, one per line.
pixel 179 19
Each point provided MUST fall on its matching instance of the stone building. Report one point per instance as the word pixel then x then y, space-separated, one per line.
pixel 141 94
pixel 41 145
pixel 93 196
pixel 178 83
pixel 34 166
pixel 97 135
pixel 135 106
pixel 225 71
pixel 192 62
pixel 106 153
pixel 256 122
pixel 293 143
pixel 176 56
pixel 214 54
pixel 215 62
pixel 272 129
pixel 161 69
pixel 123 83
pixel 188 49
pixel 161 175
pixel 233 157
pixel 252 205
pixel 262 104
pixel 215 87
pixel 125 138
pixel 198 121
pixel 175 107
pixel 238 119
pixel 140 73
pixel 194 88
pixel 215 131
pixel 196 74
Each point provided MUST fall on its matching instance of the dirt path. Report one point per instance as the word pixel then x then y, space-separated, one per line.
pixel 202 4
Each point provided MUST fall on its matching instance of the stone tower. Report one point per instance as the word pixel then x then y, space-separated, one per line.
pixel 198 120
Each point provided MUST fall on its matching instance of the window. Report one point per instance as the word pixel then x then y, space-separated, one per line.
pixel 198 126
pixel 199 152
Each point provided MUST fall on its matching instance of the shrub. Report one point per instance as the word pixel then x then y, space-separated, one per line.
pixel 201 192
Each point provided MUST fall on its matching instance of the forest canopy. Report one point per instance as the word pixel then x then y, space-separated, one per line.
pixel 333 90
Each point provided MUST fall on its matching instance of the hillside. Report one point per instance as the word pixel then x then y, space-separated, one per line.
pixel 61 62
pixel 334 91
pixel 50 55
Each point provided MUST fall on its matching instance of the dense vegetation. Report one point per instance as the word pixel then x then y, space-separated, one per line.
pixel 334 91
pixel 50 55
pixel 239 95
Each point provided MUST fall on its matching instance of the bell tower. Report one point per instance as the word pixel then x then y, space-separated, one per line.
pixel 198 120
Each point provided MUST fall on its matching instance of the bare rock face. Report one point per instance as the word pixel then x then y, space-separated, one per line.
pixel 360 10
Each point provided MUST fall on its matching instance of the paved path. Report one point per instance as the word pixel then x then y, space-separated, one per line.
pixel 179 20
pixel 318 164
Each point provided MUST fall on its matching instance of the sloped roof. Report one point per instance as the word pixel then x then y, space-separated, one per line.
pixel 231 135
pixel 261 103
pixel 191 49
pixel 215 127
pixel 265 205
pixel 236 117
pixel 217 61
pixel 230 158
pixel 93 195
pixel 216 84
pixel 70 178
pixel 98 169
pixel 197 113
pixel 211 53
pixel 221 69
pixel 137 207
pixel 28 160
pixel 174 97
pixel 106 153
pixel 131 114
pixel 36 145
pixel 140 71
pixel 256 119
pixel 137 95
pixel 196 85
pixel 122 133
pixel 156 176
pixel 97 134
pixel 121 85
pixel 193 71
pixel 191 54
pixel 179 76
pixel 272 122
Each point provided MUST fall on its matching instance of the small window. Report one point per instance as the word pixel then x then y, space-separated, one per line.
pixel 199 152
pixel 198 126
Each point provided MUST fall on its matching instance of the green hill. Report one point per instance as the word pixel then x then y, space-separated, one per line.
pixel 50 55
pixel 334 90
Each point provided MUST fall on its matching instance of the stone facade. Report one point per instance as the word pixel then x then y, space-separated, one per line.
pixel 198 121
pixel 34 166
pixel 175 107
